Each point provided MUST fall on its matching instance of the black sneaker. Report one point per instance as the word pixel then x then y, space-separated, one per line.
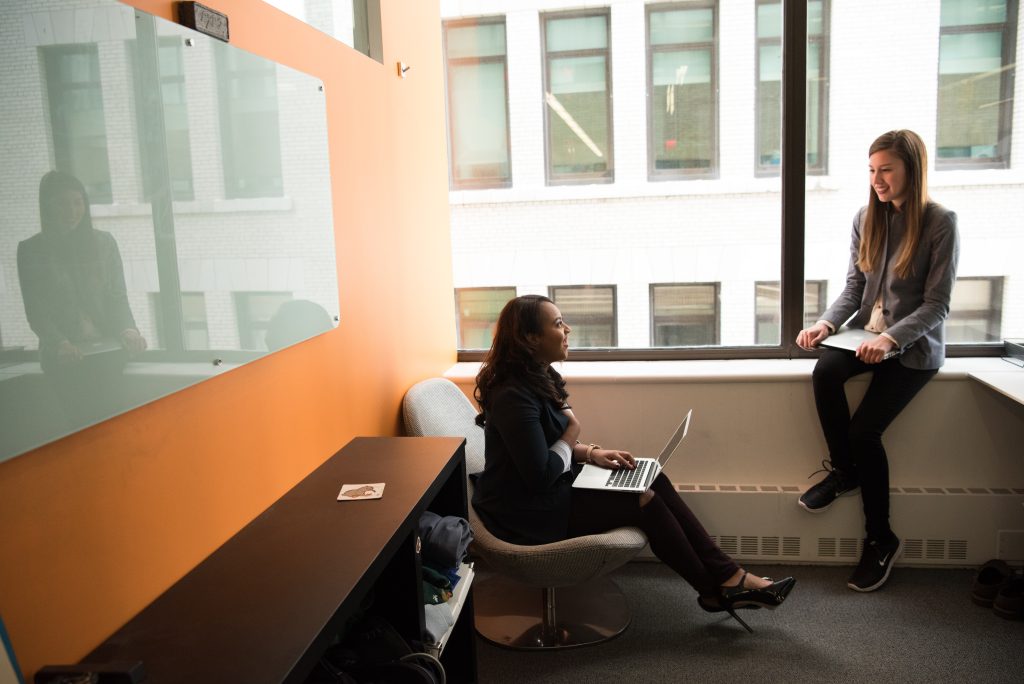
pixel 875 565
pixel 837 483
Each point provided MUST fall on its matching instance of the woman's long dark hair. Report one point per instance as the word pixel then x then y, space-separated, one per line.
pixel 51 186
pixel 511 357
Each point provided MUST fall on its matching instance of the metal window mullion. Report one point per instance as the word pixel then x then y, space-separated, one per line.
pixel 794 166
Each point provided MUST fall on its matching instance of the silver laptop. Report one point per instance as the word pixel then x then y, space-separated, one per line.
pixel 637 480
pixel 851 338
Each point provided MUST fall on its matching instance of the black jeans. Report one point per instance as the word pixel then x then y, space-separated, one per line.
pixel 855 443
pixel 676 536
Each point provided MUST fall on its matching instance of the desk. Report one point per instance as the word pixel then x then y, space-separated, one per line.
pixel 1009 382
pixel 265 605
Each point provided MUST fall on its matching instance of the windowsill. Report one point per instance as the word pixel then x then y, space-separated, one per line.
pixel 732 370
pixel 183 207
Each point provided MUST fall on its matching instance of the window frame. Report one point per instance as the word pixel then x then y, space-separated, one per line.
pixel 608 175
pixel 712 172
pixel 468 61
pixel 1006 91
pixel 824 47
pixel 792 239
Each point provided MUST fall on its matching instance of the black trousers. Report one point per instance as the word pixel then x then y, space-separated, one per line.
pixel 855 443
pixel 676 536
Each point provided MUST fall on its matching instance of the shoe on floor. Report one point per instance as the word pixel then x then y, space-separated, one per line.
pixel 837 483
pixel 876 563
pixel 1009 602
pixel 990 579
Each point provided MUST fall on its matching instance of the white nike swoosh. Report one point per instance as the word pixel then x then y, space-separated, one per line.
pixel 884 558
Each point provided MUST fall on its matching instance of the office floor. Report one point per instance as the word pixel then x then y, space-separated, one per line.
pixel 921 627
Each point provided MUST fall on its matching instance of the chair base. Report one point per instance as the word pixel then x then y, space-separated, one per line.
pixel 510 614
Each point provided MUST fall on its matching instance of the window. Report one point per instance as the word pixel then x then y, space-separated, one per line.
pixel 769 86
pixel 193 321
pixel 684 315
pixel 250 134
pixel 590 312
pixel 477 104
pixel 172 95
pixel 975 310
pixel 977 43
pixel 254 311
pixel 577 97
pixel 766 307
pixel 682 83
pixel 76 116
pixel 477 310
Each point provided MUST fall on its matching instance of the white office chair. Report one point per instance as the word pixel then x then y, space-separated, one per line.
pixel 516 606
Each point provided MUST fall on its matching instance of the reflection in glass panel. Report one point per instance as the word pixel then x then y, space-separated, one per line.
pixel 143 263
pixel 477 310
pixel 590 312
pixel 684 314
pixel 576 97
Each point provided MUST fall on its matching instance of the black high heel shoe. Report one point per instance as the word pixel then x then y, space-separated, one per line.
pixel 731 599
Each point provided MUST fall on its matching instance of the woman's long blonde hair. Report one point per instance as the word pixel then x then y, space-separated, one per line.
pixel 909 147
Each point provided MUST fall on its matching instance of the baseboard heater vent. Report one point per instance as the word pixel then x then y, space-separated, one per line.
pixel 940 526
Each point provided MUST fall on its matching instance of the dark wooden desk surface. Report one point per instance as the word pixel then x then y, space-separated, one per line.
pixel 264 606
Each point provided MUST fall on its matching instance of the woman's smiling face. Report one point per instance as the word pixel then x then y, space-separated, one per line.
pixel 552 342
pixel 888 175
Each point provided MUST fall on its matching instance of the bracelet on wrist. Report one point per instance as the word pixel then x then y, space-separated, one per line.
pixel 590 452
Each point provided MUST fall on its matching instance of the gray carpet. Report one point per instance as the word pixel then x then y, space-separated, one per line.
pixel 920 627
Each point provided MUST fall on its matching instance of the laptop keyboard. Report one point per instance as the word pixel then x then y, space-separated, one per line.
pixel 624 478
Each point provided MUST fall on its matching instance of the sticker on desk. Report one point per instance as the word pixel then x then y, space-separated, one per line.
pixel 352 492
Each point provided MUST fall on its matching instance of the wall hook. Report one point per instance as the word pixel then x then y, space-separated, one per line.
pixel 402 68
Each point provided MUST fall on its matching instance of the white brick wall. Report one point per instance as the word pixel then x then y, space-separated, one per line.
pixel 883 75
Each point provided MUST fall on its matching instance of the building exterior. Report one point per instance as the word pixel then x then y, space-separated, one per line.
pixel 623 158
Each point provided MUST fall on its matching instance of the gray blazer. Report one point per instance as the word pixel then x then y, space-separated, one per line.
pixel 915 308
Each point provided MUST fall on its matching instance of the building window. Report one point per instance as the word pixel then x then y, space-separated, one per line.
pixel 477 72
pixel 766 308
pixel 172 95
pixel 976 311
pixel 684 315
pixel 577 97
pixel 769 87
pixel 254 311
pixel 590 312
pixel 477 310
pixel 76 116
pixel 682 84
pixel 977 43
pixel 193 320
pixel 249 129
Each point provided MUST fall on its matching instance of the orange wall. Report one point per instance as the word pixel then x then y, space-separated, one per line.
pixel 98 524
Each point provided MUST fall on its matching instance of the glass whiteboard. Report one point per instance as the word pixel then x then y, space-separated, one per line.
pixel 165 213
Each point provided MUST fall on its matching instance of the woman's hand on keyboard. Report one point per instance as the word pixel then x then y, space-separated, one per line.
pixel 612 458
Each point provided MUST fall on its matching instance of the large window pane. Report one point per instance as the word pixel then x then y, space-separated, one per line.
pixel 975 81
pixel 576 98
pixel 975 311
pixel 477 104
pixel 768 312
pixel 682 84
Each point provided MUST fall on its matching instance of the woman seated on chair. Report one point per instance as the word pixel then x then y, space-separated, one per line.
pixel 532 454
